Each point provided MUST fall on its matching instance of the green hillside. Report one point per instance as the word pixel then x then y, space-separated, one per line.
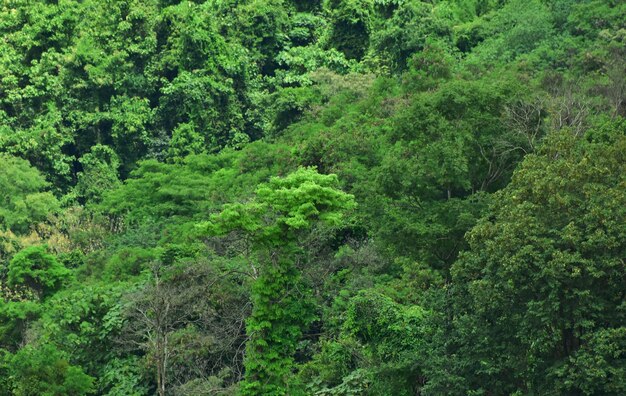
pixel 330 198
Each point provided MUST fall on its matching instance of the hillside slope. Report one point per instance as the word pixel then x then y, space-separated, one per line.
pixel 284 197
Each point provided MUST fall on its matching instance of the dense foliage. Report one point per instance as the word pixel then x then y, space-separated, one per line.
pixel 332 198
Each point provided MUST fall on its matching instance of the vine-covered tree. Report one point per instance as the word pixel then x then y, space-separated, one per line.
pixel 281 212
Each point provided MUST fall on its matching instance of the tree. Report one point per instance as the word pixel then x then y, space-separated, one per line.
pixel 38 270
pixel 537 298
pixel 84 321
pixel 185 141
pixel 199 75
pixel 188 320
pixel 261 26
pixel 380 343
pixel 19 307
pixel 351 25
pixel 156 313
pixel 44 370
pixel 99 174
pixel 407 32
pixel 24 201
pixel 282 210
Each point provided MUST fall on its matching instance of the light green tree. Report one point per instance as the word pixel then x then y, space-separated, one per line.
pixel 24 199
pixel 282 210
pixel 45 371
pixel 38 270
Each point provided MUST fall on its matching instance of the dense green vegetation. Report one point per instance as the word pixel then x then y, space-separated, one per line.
pixel 332 198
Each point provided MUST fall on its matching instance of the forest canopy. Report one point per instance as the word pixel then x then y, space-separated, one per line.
pixel 331 198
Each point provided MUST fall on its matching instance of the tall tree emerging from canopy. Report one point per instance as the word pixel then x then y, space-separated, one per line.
pixel 539 299
pixel 281 212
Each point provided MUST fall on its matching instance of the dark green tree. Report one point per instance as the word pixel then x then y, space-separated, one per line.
pixel 537 300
